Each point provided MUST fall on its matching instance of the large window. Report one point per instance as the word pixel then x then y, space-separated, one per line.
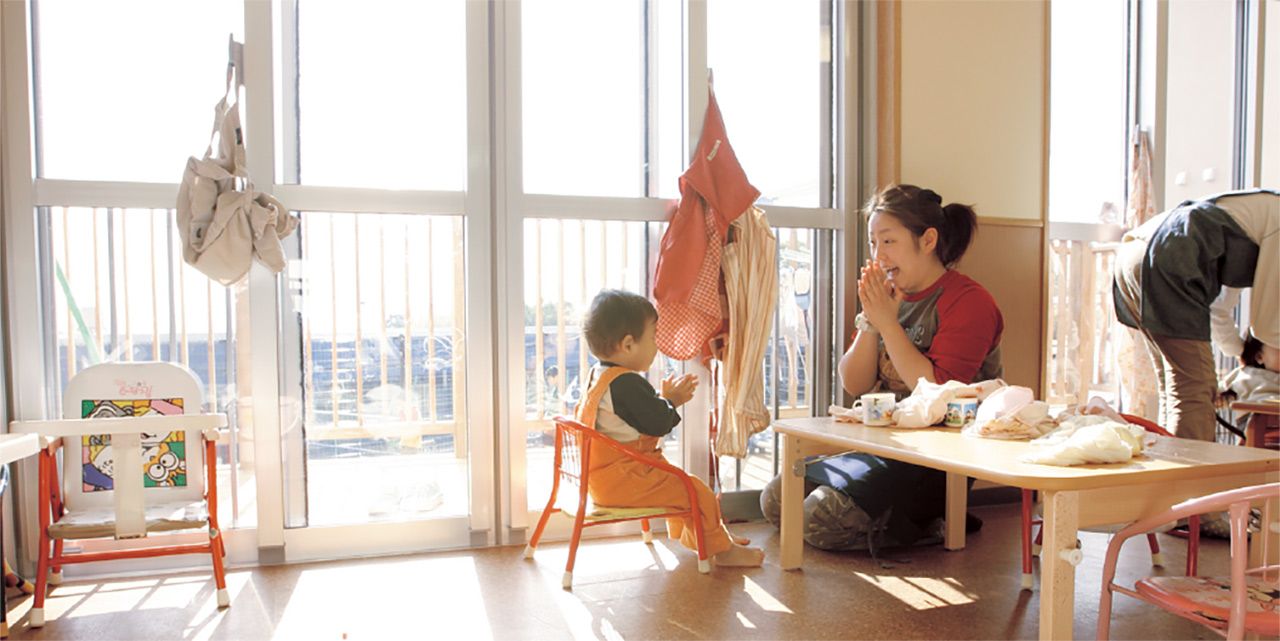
pixel 466 177
pixel 614 130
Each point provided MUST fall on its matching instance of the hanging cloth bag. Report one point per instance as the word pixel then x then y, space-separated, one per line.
pixel 223 222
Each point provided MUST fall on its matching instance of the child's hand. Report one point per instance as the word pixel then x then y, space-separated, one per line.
pixel 679 390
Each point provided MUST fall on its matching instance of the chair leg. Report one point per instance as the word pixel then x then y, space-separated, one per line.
pixel 219 572
pixel 36 618
pixel 542 523
pixel 567 580
pixel 1104 614
pixel 1026 539
pixel 645 533
pixel 1157 558
pixel 55 571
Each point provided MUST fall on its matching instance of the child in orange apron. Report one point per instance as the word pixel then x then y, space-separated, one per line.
pixel 621 404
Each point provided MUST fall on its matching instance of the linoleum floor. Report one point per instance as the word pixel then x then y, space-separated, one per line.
pixel 623 590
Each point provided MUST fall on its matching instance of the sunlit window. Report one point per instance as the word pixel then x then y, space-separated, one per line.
pixel 381 93
pixel 120 98
pixel 772 95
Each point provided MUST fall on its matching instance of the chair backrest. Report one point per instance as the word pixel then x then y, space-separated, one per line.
pixel 572 440
pixel 172 462
pixel 1237 503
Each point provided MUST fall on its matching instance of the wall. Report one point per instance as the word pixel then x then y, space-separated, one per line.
pixel 973 103
pixel 1200 99
pixel 973 120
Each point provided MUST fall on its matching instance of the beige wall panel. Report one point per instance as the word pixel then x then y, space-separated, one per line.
pixel 1200 109
pixel 973 113
pixel 1006 260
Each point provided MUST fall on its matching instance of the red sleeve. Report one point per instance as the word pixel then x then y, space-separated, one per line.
pixel 969 327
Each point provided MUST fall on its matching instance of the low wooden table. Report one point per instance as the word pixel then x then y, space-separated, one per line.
pixel 12 448
pixel 1171 470
pixel 1262 415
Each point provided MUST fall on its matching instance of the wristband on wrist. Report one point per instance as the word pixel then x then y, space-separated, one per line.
pixel 860 321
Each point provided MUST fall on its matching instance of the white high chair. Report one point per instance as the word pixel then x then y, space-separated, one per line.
pixel 138 458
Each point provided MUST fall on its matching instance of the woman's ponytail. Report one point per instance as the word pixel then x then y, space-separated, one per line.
pixel 961 226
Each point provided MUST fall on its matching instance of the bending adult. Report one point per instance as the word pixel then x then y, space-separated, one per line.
pixel 920 319
pixel 1177 279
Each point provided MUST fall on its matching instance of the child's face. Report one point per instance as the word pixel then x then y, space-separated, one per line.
pixel 646 347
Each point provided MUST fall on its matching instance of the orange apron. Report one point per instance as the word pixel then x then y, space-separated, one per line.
pixel 617 481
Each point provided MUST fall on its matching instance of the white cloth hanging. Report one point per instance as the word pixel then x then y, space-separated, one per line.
pixel 223 222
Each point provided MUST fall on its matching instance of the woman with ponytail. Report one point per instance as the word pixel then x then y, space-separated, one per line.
pixel 920 319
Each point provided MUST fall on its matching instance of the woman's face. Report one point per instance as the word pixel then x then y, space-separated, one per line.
pixel 909 262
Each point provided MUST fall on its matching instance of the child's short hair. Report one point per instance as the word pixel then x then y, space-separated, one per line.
pixel 614 315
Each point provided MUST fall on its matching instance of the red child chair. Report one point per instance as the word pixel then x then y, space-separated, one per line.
pixel 1247 601
pixel 147 468
pixel 574 443
pixel 1028 520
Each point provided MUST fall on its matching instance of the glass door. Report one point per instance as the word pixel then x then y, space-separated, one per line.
pixel 374 152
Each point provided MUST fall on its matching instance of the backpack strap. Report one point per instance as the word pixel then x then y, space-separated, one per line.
pixel 588 406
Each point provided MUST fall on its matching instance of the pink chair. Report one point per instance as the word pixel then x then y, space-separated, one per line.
pixel 1247 601
pixel 1028 519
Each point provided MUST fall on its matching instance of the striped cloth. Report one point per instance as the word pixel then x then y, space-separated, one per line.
pixel 751 286
pixel 1134 364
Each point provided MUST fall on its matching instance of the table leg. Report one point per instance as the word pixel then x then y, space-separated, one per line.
pixel 1255 430
pixel 1058 558
pixel 957 506
pixel 792 526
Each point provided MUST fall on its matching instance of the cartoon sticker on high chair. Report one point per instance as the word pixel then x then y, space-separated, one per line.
pixel 164 456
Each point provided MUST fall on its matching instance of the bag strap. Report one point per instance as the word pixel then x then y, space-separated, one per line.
pixel 226 120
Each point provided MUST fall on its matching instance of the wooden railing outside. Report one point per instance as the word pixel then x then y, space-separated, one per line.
pixel 1082 322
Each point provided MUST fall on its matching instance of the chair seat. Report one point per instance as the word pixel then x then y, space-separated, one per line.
pixel 1210 597
pixel 601 513
pixel 101 522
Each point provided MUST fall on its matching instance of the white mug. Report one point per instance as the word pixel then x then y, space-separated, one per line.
pixel 961 412
pixel 877 409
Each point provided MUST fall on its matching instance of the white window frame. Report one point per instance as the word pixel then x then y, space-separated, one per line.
pixel 495 210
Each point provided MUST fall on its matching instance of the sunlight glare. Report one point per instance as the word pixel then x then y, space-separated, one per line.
pixel 766 601
pixel 746 623
pixel 921 593
pixel 453 580
pixel 204 622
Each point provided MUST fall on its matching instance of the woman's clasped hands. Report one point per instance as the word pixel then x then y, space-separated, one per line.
pixel 879 297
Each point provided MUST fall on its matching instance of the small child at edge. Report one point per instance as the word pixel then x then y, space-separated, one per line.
pixel 621 404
